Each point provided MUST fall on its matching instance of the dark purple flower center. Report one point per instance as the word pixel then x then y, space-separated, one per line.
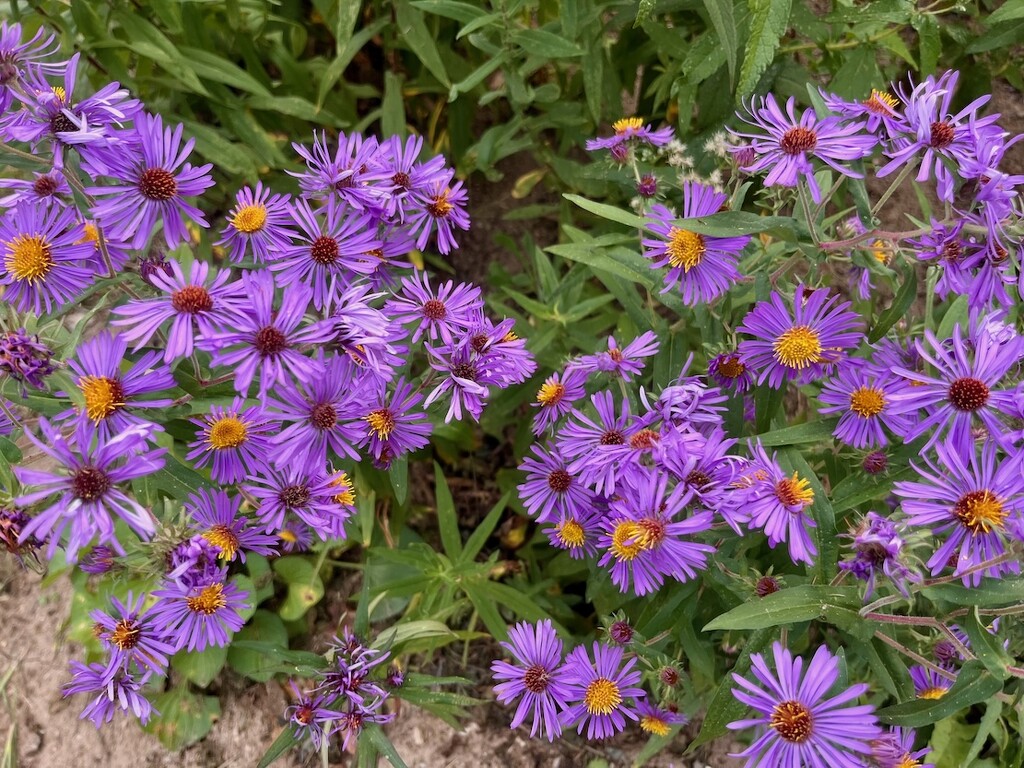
pixel 536 679
pixel 270 341
pixel 613 437
pixel 952 251
pixel 942 134
pixel 797 140
pixel 45 186
pixel 621 632
pixel 465 371
pixel 323 416
pixel 559 481
pixel 324 250
pixel 61 123
pixel 90 483
pixel 434 309
pixel 792 721
pixel 401 179
pixel 968 394
pixel 8 71
pixel 479 342
pixel 698 479
pixel 191 299
pixel 157 184
pixel 126 634
pixel 294 496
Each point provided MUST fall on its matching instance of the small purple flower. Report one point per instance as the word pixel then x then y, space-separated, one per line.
pixel 405 175
pixel 152 185
pixel 199 616
pixel 12 521
pixel 259 224
pixel 343 177
pixel 464 379
pixel 594 447
pixel 266 340
pixel 879 108
pixel 944 245
pixel 41 255
pixel 442 313
pixel 45 188
pixel 577 531
pixel 658 721
pixel 394 426
pixel 120 691
pixel 929 684
pixel 440 206
pixel 235 440
pixel 217 515
pixel 796 724
pixel 550 489
pixel 895 749
pixel 624 363
pixel 602 692
pixel 864 401
pixel 778 504
pixel 792 141
pixel 18 58
pixel 310 718
pixel 537 676
pixel 730 372
pixel 132 635
pixel 556 396
pixel 93 466
pixel 24 358
pixel 112 396
pixel 802 345
pixel 631 130
pixel 100 559
pixel 878 548
pixel 194 305
pixel 322 501
pixel 704 266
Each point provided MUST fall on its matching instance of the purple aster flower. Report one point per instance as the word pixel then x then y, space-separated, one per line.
pixel 963 393
pixel 465 378
pixel 152 185
pixel 310 717
pixel 24 358
pixel 624 363
pixel 537 676
pixel 194 561
pixel 439 206
pixel 194 305
pixel 577 531
pixel 218 516
pixel 631 130
pixel 792 141
pixel 895 749
pixel 266 340
pixel 132 635
pixel 324 502
pixel 802 345
pixel 687 402
pixel 703 464
pixel 878 548
pixel 501 351
pixel 394 426
pixel 865 402
pixel 930 684
pixel 443 313
pixel 969 503
pixel 259 224
pixel 594 448
pixel 344 176
pixel 944 245
pixel 120 691
pixel 556 396
pixel 112 396
pixel 199 616
pixel 880 110
pixel 797 725
pixel 550 490
pixel 602 692
pixel 18 58
pixel 87 490
pixel 12 521
pixel 42 250
pixel 730 372
pixel 101 559
pixel 932 132
pixel 407 176
pixel 328 250
pixel 381 263
pixel 235 440
pixel 295 536
pixel 367 335
pixel 703 266
pixel 778 504
pixel 647 538
pixel 658 721
pixel 45 188
pixel 318 414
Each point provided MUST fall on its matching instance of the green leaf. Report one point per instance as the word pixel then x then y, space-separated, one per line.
pixel 643 11
pixel 609 212
pixel 184 717
pixel 1013 9
pixel 858 73
pixel 986 646
pixel 392 116
pixel 264 627
pixel 398 474
pixel 811 432
pixel 414 32
pixel 973 684
pixel 790 606
pixel 447 519
pixel 394 637
pixel 989 722
pixel 724 707
pixel 200 668
pixel 898 309
pixel 294 106
pixel 929 41
pixel 220 70
pixel 991 593
pixel 768 23
pixel 479 536
pixel 722 18
pixel 956 314
pixel 547 45
pixel 375 735
pixel 285 740
pixel 450 9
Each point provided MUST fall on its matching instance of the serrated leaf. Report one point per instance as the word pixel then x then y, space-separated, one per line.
pixel 973 684
pixel 768 23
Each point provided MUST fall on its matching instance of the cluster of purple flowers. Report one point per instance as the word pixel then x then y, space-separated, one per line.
pixel 317 323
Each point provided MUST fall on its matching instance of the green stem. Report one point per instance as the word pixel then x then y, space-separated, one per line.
pixel 896 183
pixel 806 205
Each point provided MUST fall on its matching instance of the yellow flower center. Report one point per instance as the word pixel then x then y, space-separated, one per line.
pixel 732 368
pixel 880 102
pixel 223 537
pixel 250 218
pixel 627 540
pixel 571 534
pixel 980 512
pixel 867 402
pixel 382 422
pixel 126 634
pixel 90 235
pixel 60 93
pixel 685 249
pixel 908 761
pixel 794 491
pixel 655 725
pixel 346 494
pixel 550 393
pixel 103 396
pixel 439 207
pixel 792 721
pixel 627 123
pixel 798 347
pixel 227 432
pixel 209 601
pixel 602 696
pixel 880 251
pixel 935 692
pixel 29 258
pixel 287 535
